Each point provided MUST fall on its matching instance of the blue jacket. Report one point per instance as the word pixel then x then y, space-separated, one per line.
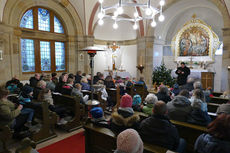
pixel 206 143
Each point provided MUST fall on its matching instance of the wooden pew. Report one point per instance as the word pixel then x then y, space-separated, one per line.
pixel 140 90
pixel 97 96
pixel 5 136
pixel 72 104
pixel 103 140
pixel 212 107
pixel 49 119
pixel 189 132
pixel 218 100
pixel 217 94
pixel 114 93
pixel 130 90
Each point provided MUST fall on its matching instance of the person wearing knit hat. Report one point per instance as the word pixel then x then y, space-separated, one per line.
pixel 137 103
pixel 97 113
pixel 150 100
pixel 98 117
pixel 129 141
pixel 124 117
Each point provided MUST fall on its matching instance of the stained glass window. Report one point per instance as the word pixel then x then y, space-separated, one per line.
pixel 57 25
pixel 27 55
pixel 43 19
pixel 60 56
pixel 27 20
pixel 45 56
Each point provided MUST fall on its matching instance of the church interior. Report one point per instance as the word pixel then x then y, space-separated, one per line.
pixel 114 76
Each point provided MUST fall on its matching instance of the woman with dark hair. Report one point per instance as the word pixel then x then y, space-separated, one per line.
pixel 218 138
pixel 163 94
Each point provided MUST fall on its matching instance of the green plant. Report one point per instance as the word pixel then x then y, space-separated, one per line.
pixel 162 75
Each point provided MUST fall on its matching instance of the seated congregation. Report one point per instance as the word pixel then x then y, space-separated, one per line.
pixel 132 117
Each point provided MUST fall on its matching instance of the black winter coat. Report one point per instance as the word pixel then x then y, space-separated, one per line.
pixel 157 129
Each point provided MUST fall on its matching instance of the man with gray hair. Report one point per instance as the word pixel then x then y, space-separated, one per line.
pixel 157 129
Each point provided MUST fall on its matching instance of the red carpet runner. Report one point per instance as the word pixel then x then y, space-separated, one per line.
pixel 73 144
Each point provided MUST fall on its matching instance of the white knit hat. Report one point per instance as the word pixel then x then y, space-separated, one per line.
pixel 129 141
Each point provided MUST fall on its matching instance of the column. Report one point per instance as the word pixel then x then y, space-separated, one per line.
pixel 82 58
pixel 226 60
pixel 145 58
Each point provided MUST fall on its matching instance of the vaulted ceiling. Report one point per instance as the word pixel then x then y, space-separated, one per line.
pixel 87 9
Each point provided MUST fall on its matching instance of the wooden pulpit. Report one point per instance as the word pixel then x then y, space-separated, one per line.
pixel 207 79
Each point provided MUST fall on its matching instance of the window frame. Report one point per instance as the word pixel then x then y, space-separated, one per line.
pixel 26 34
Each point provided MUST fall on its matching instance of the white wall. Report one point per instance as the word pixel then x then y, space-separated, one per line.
pixel 106 32
pixel 128 60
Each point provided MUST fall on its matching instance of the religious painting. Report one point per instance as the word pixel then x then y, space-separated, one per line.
pixel 195 42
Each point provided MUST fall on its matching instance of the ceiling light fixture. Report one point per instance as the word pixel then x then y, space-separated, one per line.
pixel 149 12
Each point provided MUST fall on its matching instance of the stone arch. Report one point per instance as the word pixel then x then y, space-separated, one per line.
pixel 14 10
pixel 221 6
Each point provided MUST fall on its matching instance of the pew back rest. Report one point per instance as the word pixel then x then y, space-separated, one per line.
pixel 218 100
pixel 103 140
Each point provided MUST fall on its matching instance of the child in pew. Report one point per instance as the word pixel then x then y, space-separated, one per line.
pixel 198 97
pixel 12 115
pixel 137 103
pixel 129 141
pixel 68 87
pixel 40 85
pixel 77 91
pixel 199 114
pixel 85 85
pixel 101 88
pixel 217 140
pixel 124 117
pixel 150 100
pixel 98 117
pixel 45 95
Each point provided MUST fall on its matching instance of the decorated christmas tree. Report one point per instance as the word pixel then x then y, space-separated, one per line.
pixel 162 75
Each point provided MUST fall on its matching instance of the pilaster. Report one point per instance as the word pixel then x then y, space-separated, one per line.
pixel 145 58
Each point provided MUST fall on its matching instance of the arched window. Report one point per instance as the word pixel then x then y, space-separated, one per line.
pixel 43 41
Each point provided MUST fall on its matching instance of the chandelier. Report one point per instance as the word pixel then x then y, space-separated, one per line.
pixel 118 9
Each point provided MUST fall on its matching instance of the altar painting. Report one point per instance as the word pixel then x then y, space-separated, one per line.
pixel 194 42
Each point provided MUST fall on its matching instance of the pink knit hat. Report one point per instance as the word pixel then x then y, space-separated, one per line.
pixel 129 141
pixel 126 101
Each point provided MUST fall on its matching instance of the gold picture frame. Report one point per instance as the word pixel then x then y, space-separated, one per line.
pixel 195 41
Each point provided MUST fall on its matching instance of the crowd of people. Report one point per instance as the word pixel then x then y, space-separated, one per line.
pixel 187 103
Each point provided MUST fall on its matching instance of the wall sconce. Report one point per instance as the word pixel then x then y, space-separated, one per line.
pixel 1 56
pixel 140 68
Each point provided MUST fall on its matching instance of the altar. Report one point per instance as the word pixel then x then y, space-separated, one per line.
pixel 194 73
pixel 122 74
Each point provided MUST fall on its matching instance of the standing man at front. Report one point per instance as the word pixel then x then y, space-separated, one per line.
pixel 183 72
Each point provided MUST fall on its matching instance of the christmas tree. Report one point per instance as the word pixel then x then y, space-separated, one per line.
pixel 162 75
